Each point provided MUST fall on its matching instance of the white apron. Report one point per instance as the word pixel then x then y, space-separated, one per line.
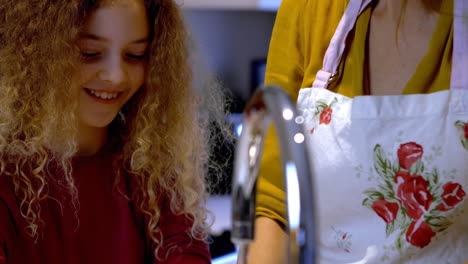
pixel 391 172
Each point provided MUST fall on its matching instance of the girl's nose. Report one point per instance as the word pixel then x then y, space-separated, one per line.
pixel 113 71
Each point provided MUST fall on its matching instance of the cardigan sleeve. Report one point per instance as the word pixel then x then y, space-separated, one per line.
pixel 301 35
pixel 284 68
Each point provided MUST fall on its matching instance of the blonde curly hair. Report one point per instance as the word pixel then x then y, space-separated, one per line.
pixel 164 142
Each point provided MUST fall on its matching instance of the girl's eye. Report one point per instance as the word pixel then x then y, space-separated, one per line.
pixel 89 55
pixel 136 56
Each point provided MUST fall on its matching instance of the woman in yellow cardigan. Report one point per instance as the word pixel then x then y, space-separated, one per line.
pixel 396 47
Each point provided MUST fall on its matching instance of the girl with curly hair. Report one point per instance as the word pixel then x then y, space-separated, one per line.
pixel 103 147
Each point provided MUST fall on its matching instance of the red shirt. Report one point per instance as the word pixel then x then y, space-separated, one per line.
pixel 110 228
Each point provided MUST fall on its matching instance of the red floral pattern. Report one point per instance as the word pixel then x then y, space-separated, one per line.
pixel 323 114
pixel 386 210
pixel 419 234
pixel 453 194
pixel 408 154
pixel 411 197
pixel 326 116
pixel 465 129
pixel 343 240
pixel 413 194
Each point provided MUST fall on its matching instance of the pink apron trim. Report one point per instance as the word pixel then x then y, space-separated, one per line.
pixel 459 80
pixel 332 59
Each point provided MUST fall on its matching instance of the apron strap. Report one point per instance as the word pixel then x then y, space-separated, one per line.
pixel 336 48
pixel 459 78
pixel 459 75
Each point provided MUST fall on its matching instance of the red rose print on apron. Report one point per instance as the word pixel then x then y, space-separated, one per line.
pixel 410 198
pixel 323 114
pixel 343 240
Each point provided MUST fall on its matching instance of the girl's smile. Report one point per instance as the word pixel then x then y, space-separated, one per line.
pixel 113 46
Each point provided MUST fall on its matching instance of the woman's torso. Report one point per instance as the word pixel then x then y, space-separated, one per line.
pixel 307 44
pixel 390 171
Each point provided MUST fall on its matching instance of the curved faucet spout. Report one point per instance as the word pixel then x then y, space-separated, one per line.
pixel 271 104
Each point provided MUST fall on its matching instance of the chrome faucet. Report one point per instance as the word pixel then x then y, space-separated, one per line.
pixel 271 103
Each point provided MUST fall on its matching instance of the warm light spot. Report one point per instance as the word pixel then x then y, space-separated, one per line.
pixel 288 114
pixel 299 138
pixel 252 151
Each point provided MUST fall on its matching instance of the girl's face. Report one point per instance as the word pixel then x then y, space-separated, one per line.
pixel 113 46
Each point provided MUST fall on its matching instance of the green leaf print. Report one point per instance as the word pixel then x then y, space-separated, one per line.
pixel 434 177
pixel 460 124
pixel 390 228
pixel 387 188
pixel 438 223
pixel 374 194
pixel 400 241
pixel 321 105
pixel 401 223
pixel 417 168
pixel 396 167
pixel 462 128
pixel 435 186
pixel 367 203
pixel 382 165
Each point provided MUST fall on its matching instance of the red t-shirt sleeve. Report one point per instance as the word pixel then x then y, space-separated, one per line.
pixel 178 245
pixel 5 227
pixel 2 255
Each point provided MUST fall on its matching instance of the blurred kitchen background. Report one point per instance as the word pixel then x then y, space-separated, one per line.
pixel 232 39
